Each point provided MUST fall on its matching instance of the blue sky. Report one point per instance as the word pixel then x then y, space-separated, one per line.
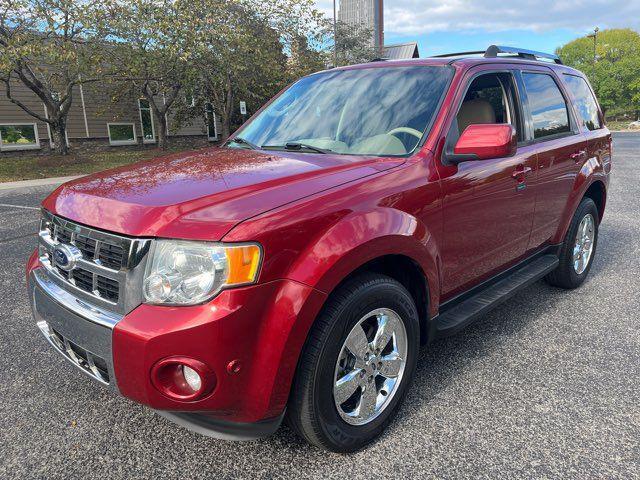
pixel 446 42
pixel 460 25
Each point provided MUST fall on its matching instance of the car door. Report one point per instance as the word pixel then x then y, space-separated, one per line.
pixel 487 204
pixel 559 145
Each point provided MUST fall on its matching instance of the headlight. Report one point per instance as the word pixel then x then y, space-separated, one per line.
pixel 186 273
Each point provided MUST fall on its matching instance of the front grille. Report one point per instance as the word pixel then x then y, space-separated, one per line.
pixel 62 235
pixel 101 275
pixel 83 279
pixel 102 253
pixel 108 288
pixel 111 255
pixel 91 363
pixel 86 245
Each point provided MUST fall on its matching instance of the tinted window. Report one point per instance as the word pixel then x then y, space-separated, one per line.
pixel 548 108
pixel 585 101
pixel 365 111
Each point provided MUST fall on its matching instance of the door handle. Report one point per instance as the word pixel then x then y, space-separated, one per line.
pixel 578 156
pixel 520 173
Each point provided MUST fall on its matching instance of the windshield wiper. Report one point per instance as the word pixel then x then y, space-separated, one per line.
pixel 296 146
pixel 242 141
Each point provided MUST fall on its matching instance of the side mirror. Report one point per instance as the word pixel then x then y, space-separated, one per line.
pixel 485 141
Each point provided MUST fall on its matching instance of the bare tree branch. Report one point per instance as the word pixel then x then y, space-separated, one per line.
pixel 7 82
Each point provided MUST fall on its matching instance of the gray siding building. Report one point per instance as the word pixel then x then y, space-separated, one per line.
pixel 93 117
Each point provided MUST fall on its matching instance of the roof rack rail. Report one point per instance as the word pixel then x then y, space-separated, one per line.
pixel 494 50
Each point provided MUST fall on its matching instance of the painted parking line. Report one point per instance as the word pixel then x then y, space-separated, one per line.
pixel 8 205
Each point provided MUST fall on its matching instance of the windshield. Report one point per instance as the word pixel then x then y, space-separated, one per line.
pixel 370 111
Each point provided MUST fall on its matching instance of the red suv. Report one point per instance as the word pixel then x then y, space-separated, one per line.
pixel 294 272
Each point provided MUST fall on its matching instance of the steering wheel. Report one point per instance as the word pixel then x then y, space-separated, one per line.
pixel 410 131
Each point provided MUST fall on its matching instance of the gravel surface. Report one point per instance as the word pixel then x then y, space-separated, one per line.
pixel 545 386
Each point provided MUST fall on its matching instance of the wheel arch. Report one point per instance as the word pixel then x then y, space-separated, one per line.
pixel 355 247
pixel 406 271
pixel 597 192
pixel 590 182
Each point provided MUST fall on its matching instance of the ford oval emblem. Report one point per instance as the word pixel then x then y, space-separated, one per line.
pixel 66 256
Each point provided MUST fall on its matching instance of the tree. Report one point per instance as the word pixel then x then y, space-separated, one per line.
pixel 304 58
pixel 354 44
pixel 50 47
pixel 242 50
pixel 151 52
pixel 614 71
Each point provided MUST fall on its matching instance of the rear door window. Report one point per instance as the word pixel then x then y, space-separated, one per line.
pixel 585 101
pixel 548 106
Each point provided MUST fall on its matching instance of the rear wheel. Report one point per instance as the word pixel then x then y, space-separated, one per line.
pixel 578 248
pixel 357 364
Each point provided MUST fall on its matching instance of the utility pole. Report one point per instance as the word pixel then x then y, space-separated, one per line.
pixel 594 35
pixel 335 36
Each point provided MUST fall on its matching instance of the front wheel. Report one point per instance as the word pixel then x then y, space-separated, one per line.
pixel 356 365
pixel 578 248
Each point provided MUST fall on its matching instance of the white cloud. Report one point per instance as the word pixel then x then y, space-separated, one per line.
pixel 414 17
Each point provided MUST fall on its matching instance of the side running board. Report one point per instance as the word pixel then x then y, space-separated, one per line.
pixel 454 319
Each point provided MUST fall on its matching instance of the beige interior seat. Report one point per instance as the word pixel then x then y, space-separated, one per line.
pixel 473 111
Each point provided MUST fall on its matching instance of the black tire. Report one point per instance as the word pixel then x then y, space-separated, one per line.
pixel 312 412
pixel 565 276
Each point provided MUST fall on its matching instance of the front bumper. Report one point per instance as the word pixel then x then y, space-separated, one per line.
pixel 261 328
pixel 81 333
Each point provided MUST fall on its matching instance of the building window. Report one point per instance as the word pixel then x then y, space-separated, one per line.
pixel 146 120
pixel 212 129
pixel 122 133
pixel 19 136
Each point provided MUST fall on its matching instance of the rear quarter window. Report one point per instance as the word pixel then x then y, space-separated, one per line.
pixel 584 100
pixel 548 106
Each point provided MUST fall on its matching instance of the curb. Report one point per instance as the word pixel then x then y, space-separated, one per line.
pixel 37 182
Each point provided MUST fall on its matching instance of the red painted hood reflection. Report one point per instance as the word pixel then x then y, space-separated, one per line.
pixel 202 194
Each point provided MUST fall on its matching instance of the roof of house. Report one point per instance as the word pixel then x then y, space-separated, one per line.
pixel 401 50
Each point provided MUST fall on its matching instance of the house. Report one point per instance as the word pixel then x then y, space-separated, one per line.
pixel 400 51
pixel 95 121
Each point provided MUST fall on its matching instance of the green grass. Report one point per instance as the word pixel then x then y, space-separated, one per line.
pixel 620 125
pixel 27 167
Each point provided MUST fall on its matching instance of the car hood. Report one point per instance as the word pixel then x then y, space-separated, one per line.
pixel 202 194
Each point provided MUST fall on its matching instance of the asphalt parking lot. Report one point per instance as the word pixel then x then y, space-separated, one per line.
pixel 546 386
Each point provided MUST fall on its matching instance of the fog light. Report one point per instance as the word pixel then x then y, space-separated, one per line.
pixel 192 378
pixel 183 379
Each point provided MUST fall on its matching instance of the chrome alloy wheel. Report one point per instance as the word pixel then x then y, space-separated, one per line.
pixel 370 366
pixel 583 248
